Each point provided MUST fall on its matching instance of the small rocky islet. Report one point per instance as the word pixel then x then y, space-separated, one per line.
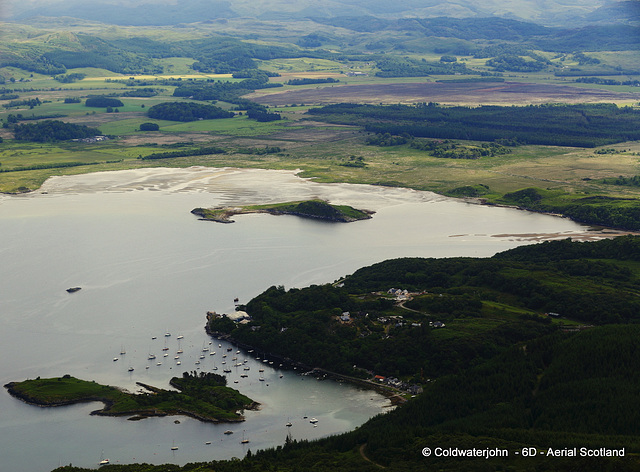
pixel 315 209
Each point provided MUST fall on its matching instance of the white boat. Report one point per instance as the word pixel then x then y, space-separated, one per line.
pixel 313 420
pixel 178 363
pixel 151 356
pixel 115 359
pixel 122 351
pixel 212 353
pixel 244 440
pixel 201 356
pixel 167 334
pixel 130 369
pixel 260 370
pixel 158 363
pixel 180 337
pixel 103 461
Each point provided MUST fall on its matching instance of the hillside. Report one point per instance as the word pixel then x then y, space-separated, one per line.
pixel 456 311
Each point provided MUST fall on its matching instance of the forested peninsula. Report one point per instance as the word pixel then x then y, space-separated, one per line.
pixel 315 209
pixel 203 396
pixel 416 319
pixel 517 353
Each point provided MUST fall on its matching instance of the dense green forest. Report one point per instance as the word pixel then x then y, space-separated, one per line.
pixel 533 385
pixel 593 285
pixel 52 130
pixel 616 212
pixel 394 66
pixel 203 151
pixel 559 125
pixel 308 81
pixel 187 111
pixel 103 102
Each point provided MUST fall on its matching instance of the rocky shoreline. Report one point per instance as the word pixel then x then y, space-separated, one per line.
pixel 393 395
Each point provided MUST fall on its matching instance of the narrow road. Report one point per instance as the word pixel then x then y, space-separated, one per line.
pixel 367 459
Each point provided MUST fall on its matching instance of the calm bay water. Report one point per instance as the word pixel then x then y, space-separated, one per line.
pixel 147 266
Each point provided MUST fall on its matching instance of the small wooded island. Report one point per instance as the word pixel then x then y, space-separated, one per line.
pixel 203 396
pixel 317 209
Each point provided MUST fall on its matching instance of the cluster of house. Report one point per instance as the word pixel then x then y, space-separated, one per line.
pixel 397 320
pixel 399 294
pixel 241 317
pixel 399 384
pixel 92 139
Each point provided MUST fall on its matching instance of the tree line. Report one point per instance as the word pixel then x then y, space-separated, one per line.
pixel 187 111
pixel 52 130
pixel 585 125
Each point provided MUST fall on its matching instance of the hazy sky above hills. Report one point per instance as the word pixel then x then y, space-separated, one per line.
pixel 556 12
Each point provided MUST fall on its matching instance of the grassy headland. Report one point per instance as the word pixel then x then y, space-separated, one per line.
pixel 202 396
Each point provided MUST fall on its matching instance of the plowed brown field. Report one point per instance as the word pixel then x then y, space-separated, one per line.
pixel 473 93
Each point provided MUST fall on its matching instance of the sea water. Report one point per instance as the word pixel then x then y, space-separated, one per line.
pixel 148 267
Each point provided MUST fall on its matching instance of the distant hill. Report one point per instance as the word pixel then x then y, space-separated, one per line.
pixel 568 13
pixel 617 12
pixel 136 13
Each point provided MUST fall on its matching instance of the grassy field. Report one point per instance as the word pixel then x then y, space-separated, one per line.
pixel 320 150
